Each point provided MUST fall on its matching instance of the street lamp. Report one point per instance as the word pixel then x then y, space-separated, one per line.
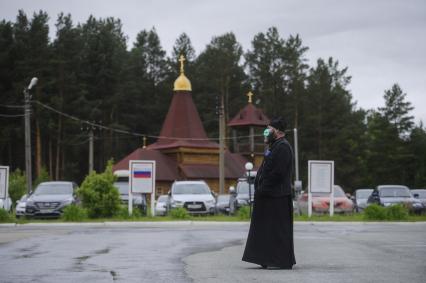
pixel 27 98
pixel 249 167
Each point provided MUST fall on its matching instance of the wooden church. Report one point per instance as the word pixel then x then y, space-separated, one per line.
pixel 184 152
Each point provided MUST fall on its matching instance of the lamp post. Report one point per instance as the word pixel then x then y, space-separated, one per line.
pixel 27 98
pixel 249 167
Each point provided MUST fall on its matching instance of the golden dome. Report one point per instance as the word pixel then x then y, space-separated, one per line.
pixel 182 82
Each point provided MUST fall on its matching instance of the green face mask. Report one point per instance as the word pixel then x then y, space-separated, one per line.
pixel 266 133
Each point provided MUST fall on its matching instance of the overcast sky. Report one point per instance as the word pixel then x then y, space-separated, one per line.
pixel 381 41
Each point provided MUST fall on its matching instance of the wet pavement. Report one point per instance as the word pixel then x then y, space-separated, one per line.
pixel 208 252
pixel 109 254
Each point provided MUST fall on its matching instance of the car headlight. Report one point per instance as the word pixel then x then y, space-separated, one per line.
pixel 210 202
pixel 29 203
pixel 241 201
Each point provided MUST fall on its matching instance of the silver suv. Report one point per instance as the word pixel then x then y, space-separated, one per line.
pixel 195 196
pixel 50 198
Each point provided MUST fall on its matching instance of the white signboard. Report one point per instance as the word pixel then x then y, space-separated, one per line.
pixel 321 180
pixel 142 176
pixel 320 176
pixel 4 181
pixel 142 180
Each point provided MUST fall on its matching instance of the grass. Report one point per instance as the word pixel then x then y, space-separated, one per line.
pixel 221 218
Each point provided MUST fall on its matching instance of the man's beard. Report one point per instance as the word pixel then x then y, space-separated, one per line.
pixel 270 139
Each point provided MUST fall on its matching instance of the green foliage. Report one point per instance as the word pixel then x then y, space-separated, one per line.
pixel 244 212
pixel 98 194
pixel 393 212
pixel 74 213
pixel 5 216
pixel 374 212
pixel 42 177
pixel 179 213
pixel 396 212
pixel 17 185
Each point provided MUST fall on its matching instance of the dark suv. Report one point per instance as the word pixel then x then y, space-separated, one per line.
pixel 387 195
pixel 50 198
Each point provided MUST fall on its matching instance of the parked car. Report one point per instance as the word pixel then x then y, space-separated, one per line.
pixel 240 195
pixel 360 199
pixel 321 202
pixel 194 196
pixel 387 195
pixel 50 198
pixel 6 204
pixel 222 204
pixel 20 206
pixel 161 205
pixel 420 194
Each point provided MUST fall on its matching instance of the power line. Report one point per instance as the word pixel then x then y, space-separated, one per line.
pixel 12 106
pixel 127 132
pixel 11 116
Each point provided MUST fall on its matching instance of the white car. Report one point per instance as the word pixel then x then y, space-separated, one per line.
pixel 161 205
pixel 195 196
pixel 20 206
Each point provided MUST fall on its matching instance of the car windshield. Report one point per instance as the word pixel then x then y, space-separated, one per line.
pixel 338 192
pixel 53 189
pixel 123 188
pixel 363 194
pixel 190 189
pixel 421 193
pixel 162 198
pixel 395 192
pixel 243 188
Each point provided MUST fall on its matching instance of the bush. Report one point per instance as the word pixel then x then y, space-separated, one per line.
pixel 393 212
pixel 5 216
pixel 17 185
pixel 375 212
pixel 396 212
pixel 98 194
pixel 74 213
pixel 179 213
pixel 244 212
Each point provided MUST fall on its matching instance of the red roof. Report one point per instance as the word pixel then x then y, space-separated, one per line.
pixel 182 126
pixel 249 116
pixel 166 167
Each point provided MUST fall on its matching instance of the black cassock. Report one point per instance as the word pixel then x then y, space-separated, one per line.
pixel 270 239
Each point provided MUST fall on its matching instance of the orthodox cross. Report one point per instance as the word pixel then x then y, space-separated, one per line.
pixel 250 94
pixel 181 60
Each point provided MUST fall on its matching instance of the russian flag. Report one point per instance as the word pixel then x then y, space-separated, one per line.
pixel 142 174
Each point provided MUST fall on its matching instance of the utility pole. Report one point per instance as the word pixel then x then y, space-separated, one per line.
pixel 297 182
pixel 91 150
pixel 90 128
pixel 27 112
pixel 221 146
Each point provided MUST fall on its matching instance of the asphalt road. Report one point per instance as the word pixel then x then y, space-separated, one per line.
pixel 208 252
